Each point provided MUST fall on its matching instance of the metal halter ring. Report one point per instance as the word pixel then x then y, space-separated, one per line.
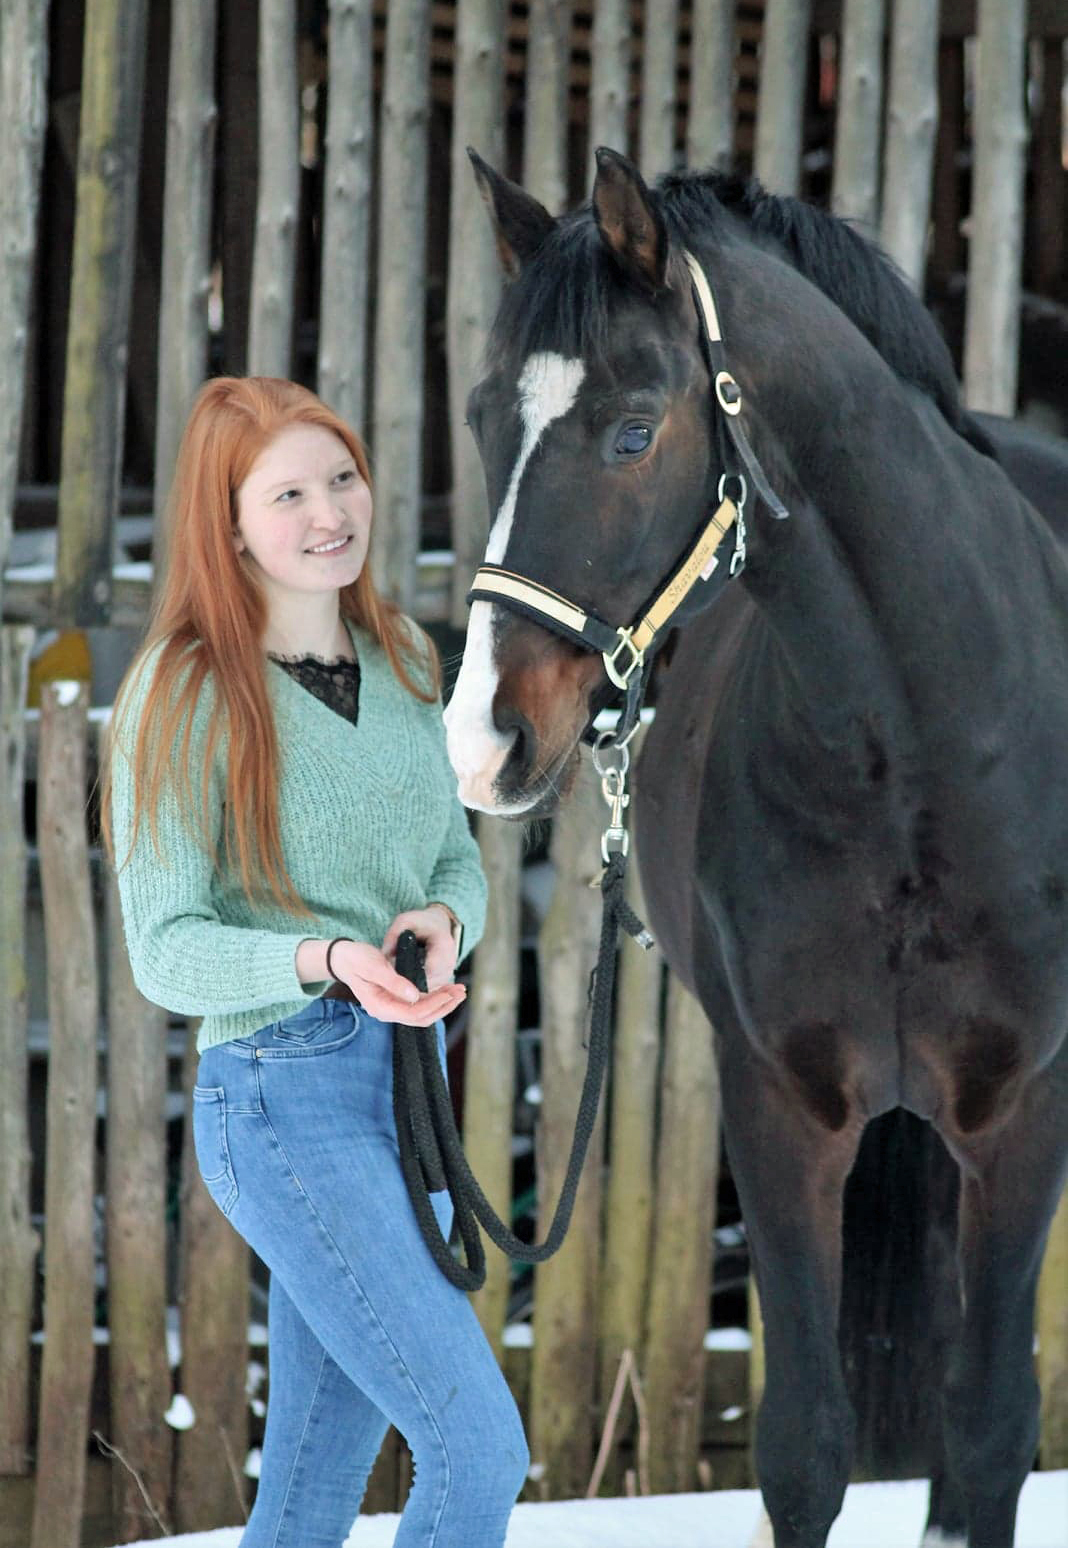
pixel 622 677
pixel 605 743
pixel 744 489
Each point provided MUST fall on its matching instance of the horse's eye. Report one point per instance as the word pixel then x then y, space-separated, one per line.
pixel 633 440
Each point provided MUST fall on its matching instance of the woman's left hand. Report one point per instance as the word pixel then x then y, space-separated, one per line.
pixel 432 927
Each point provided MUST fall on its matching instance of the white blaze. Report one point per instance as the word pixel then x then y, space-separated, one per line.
pixel 548 385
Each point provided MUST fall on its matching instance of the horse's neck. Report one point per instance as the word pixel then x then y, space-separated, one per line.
pixel 894 589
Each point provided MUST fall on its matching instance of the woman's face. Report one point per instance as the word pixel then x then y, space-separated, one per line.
pixel 303 514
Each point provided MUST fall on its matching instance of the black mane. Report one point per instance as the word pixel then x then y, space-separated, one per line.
pixel 853 272
pixel 564 301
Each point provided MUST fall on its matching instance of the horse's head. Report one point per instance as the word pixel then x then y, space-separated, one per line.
pixel 600 454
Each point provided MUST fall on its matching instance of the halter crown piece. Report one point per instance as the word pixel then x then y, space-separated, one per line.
pixel 624 648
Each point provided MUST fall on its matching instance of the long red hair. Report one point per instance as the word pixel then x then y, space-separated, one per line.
pixel 210 616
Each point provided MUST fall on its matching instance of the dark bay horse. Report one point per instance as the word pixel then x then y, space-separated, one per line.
pixel 852 807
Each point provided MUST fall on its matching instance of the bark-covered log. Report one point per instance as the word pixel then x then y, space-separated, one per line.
pixel 710 127
pixel 213 1305
pixel 780 105
pixel 139 1378
pixel 274 256
pixel 687 1169
pixel 546 119
pixel 912 113
pixel 474 274
pixel 73 1019
pixel 400 317
pixel 610 79
pixel 563 1373
pixel 656 124
pixel 348 177
pixel 18 1240
pixel 858 127
pixel 101 278
pixel 23 114
pixel 489 1069
pixel 186 262
pixel 992 324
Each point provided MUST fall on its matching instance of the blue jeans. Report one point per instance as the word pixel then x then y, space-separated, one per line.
pixel 297 1146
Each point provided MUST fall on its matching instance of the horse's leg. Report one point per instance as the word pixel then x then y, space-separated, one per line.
pixel 1012 1181
pixel 790 1167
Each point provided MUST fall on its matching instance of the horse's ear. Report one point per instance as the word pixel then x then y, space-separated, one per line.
pixel 520 223
pixel 629 222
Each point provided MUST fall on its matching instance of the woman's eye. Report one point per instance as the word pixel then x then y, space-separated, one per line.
pixel 284 497
pixel 345 477
pixel 633 440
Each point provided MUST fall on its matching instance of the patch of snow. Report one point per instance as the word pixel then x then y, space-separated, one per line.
pixel 67 690
pixel 252 1463
pixel 728 1338
pixel 518 1335
pixel 180 1415
pixel 874 1516
pixel 732 1413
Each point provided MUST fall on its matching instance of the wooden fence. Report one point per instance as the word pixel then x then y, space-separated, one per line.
pixel 363 282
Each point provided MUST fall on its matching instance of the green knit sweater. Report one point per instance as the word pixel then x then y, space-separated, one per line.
pixel 370 826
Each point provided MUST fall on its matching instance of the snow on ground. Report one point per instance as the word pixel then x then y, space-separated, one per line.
pixel 874 1516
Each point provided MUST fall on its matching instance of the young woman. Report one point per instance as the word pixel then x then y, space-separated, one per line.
pixel 281 808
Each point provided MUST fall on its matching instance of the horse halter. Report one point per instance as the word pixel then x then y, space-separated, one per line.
pixel 624 648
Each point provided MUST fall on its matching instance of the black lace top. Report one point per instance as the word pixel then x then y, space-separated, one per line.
pixel 335 682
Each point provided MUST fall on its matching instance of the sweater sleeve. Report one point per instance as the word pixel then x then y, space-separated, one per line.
pixel 181 955
pixel 458 880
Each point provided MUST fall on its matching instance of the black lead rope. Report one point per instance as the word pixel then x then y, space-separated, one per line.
pixel 431 1155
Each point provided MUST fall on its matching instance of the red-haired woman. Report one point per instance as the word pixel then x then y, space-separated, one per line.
pixel 278 781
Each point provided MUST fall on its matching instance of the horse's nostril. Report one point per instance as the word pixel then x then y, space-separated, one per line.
pixel 519 764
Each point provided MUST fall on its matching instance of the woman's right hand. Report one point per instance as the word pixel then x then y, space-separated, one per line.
pixel 384 992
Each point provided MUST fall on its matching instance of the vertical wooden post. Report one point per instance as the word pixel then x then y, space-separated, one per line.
pixel 274 255
pixel 781 103
pixel 563 1370
pixel 213 1301
pixel 912 113
pixel 610 80
pixel 710 125
pixel 186 263
pixel 73 1019
pixel 474 276
pixel 101 276
pixel 1053 1343
pixel 857 130
pixel 546 120
pixel 23 114
pixel 489 1074
pixel 656 125
pixel 629 1181
pixel 992 324
pixel 400 318
pixel 18 1240
pixel 680 1287
pixel 347 210
pixel 139 1375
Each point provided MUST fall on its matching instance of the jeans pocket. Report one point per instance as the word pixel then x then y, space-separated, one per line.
pixel 212 1148
pixel 304 1025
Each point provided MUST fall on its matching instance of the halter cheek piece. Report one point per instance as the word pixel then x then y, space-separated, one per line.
pixel 624 649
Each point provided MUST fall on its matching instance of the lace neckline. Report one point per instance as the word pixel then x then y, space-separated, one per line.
pixel 310 655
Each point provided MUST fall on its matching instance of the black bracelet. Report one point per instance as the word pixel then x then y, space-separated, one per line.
pixel 329 970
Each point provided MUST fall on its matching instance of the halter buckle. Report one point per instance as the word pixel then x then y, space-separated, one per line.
pixel 622 676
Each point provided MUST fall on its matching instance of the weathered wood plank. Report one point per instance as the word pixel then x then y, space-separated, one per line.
pixel 23 115
pixel 710 123
pixel 858 127
pixel 609 83
pixel 73 1017
pixel 213 1303
pixel 563 1373
pixel 780 107
pixel 656 118
pixel 545 121
pixel 274 253
pixel 19 1242
pixel 101 279
pixel 680 1286
pixel 1053 1343
pixel 185 276
pixel 474 273
pixel 912 113
pixel 400 318
pixel 992 322
pixel 139 1374
pixel 348 176
pixel 489 1071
